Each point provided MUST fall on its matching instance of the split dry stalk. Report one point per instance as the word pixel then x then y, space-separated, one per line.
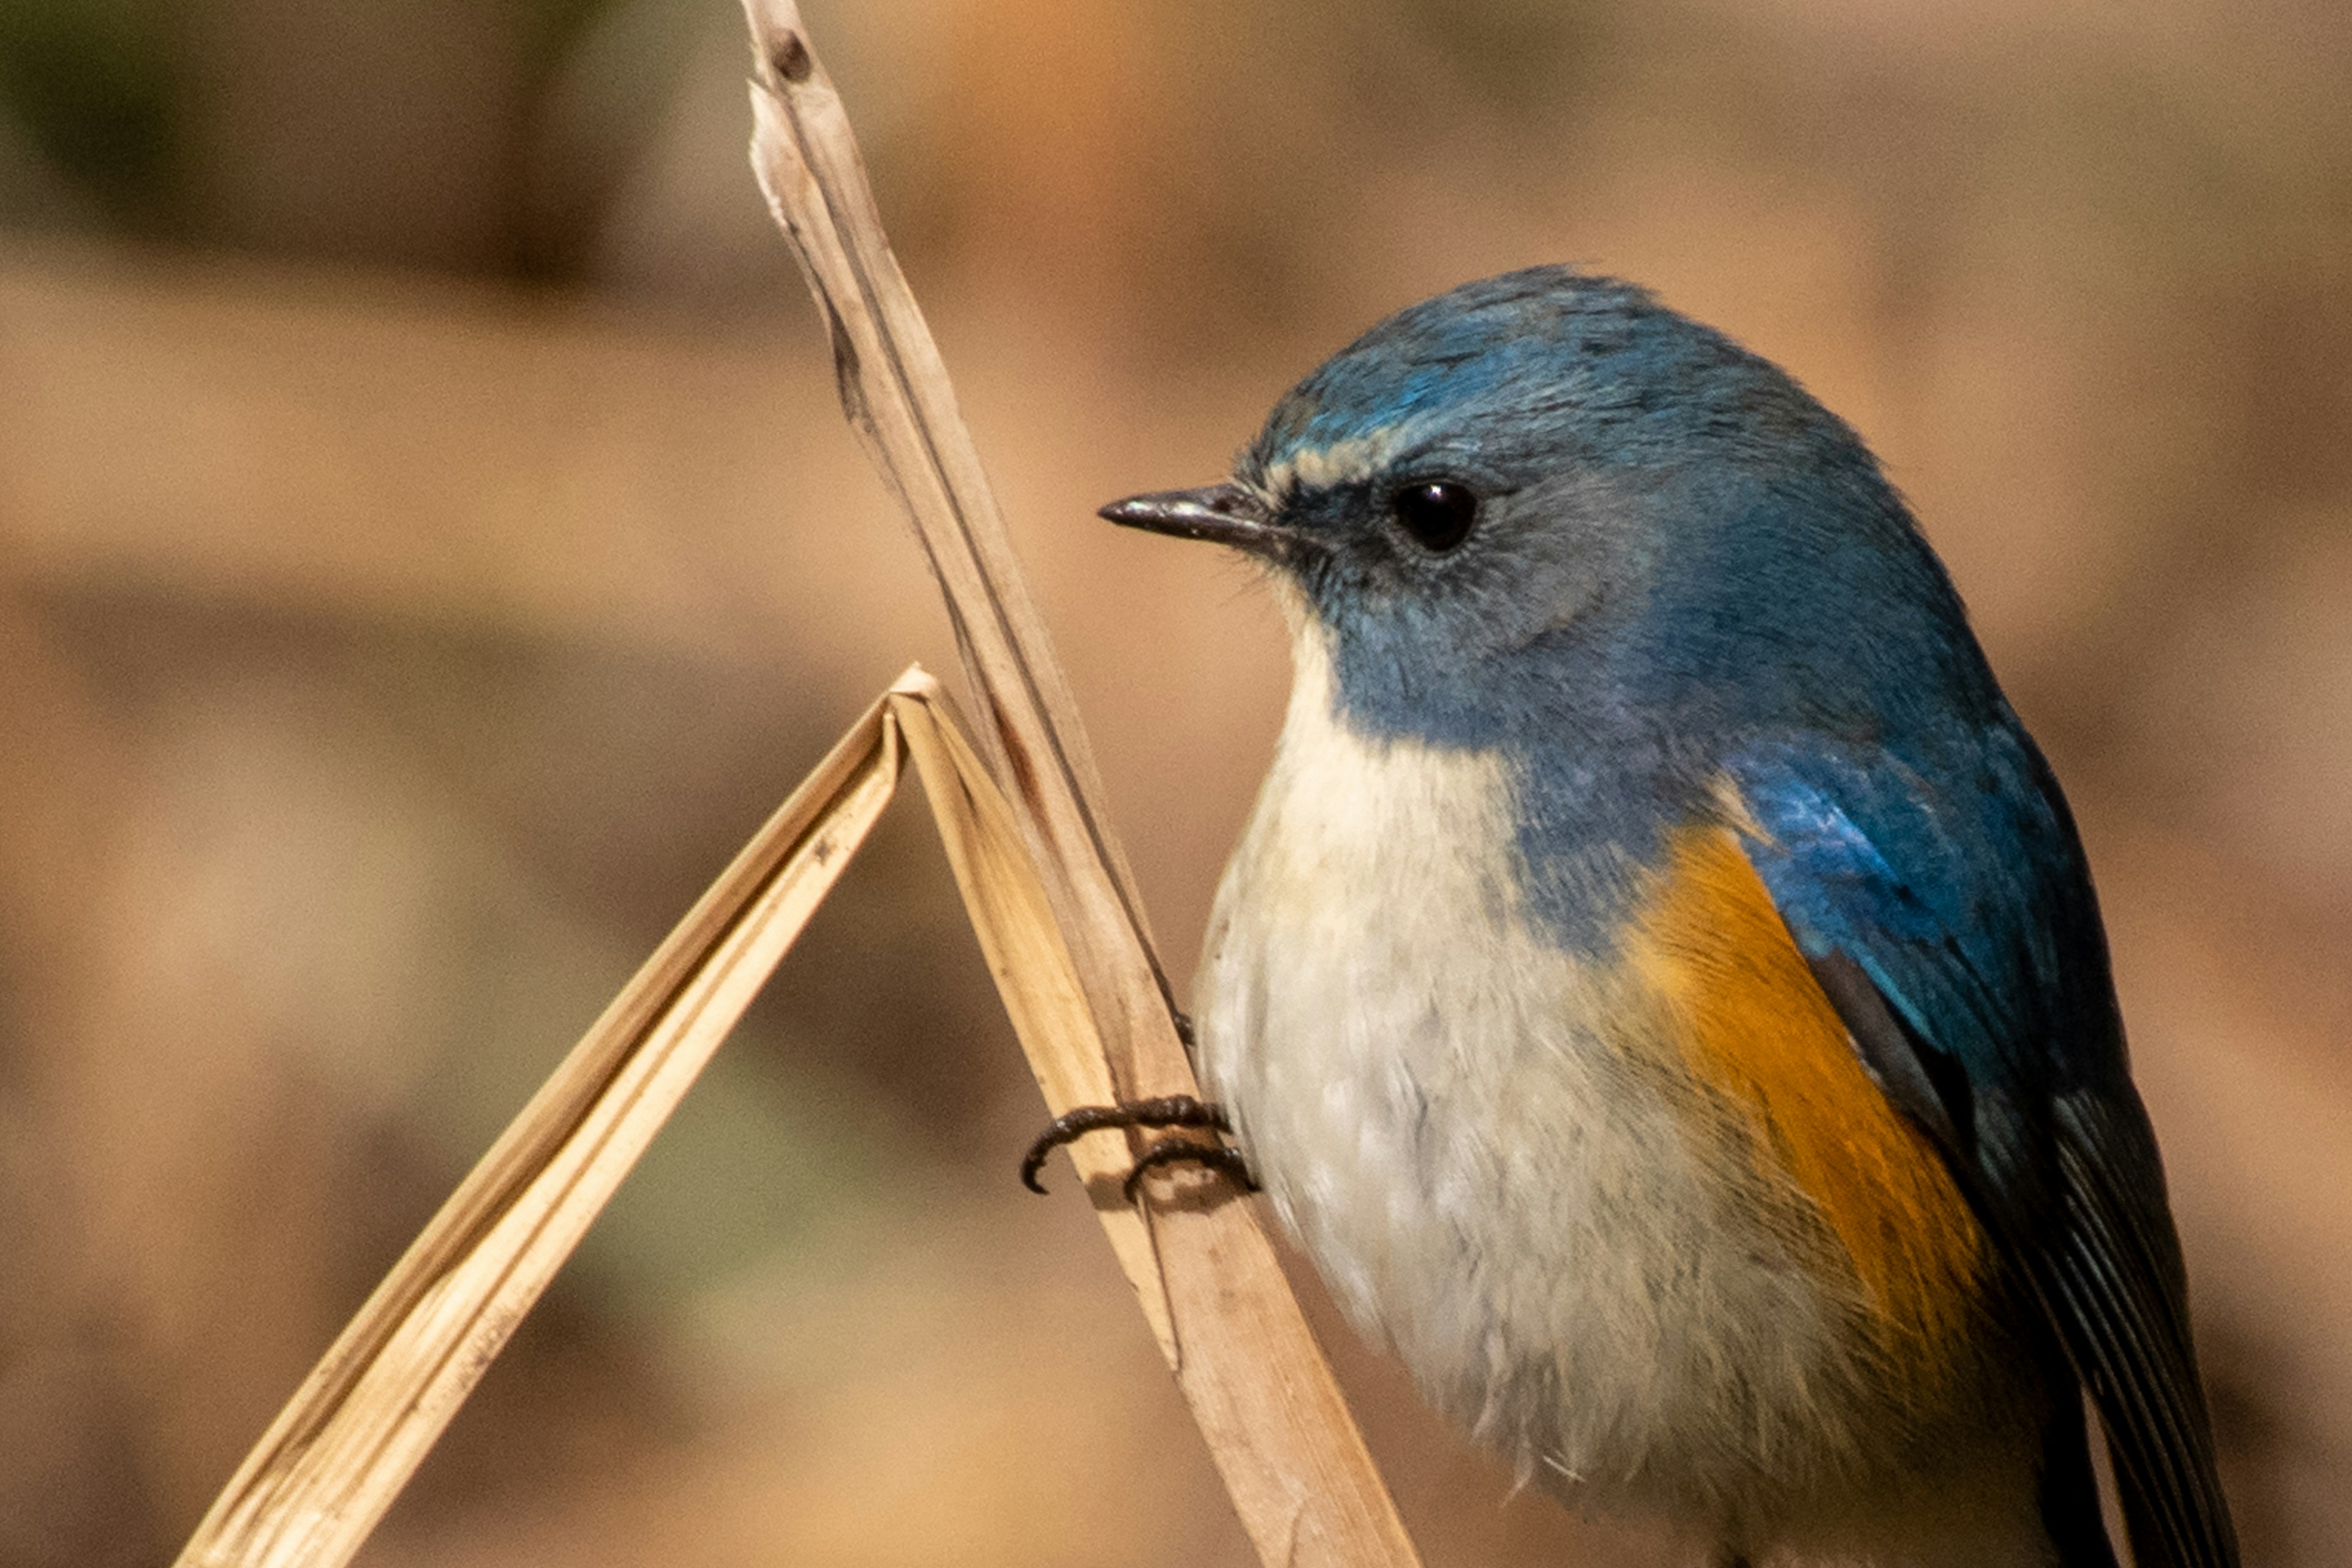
pixel 1205 1273
pixel 322 1476
pixel 1057 914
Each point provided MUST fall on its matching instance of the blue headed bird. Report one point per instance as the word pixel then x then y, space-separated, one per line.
pixel 1660 985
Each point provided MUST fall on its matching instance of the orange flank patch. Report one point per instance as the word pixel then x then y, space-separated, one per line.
pixel 1755 1029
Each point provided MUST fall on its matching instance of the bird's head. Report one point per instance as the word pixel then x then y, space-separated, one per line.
pixel 1505 483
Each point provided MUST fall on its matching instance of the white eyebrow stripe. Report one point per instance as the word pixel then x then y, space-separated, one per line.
pixel 1342 462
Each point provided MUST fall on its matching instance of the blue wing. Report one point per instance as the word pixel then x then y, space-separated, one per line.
pixel 1944 901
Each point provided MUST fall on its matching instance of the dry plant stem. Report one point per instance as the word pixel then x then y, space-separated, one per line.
pixel 322 1476
pixel 1280 1434
pixel 347 1442
pixel 899 399
pixel 1056 913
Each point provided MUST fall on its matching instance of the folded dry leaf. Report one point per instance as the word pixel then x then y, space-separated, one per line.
pixel 339 1452
pixel 329 1467
pixel 1057 912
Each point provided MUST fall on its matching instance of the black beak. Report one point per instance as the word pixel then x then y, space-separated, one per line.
pixel 1224 514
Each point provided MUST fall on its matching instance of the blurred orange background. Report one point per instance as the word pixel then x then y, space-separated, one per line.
pixel 428 546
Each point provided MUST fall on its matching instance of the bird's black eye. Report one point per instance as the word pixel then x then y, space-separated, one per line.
pixel 1437 513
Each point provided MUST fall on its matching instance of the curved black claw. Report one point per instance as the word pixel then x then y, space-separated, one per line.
pixel 1170 1110
pixel 1222 1158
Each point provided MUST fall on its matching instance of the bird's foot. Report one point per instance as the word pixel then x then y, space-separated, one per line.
pixel 1170 1110
pixel 1222 1158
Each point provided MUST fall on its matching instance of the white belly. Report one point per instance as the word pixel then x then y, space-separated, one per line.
pixel 1445 1110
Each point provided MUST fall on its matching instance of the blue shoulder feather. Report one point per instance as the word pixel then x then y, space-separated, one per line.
pixel 1953 882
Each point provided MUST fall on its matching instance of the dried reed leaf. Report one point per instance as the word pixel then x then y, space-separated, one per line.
pixel 347 1442
pixel 329 1467
pixel 1280 1434
pixel 1056 908
pixel 1032 964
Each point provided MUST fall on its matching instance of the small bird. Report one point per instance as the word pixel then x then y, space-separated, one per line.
pixel 1660 985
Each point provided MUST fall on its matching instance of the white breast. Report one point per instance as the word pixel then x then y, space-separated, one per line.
pixel 1445 1110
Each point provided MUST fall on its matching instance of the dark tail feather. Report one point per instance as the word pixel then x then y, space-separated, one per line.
pixel 2070 1489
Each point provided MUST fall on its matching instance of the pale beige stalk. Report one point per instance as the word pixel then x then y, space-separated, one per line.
pixel 330 1464
pixel 1280 1434
pixel 1056 915
pixel 329 1467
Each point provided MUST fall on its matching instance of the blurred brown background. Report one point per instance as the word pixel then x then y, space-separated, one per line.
pixel 428 546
